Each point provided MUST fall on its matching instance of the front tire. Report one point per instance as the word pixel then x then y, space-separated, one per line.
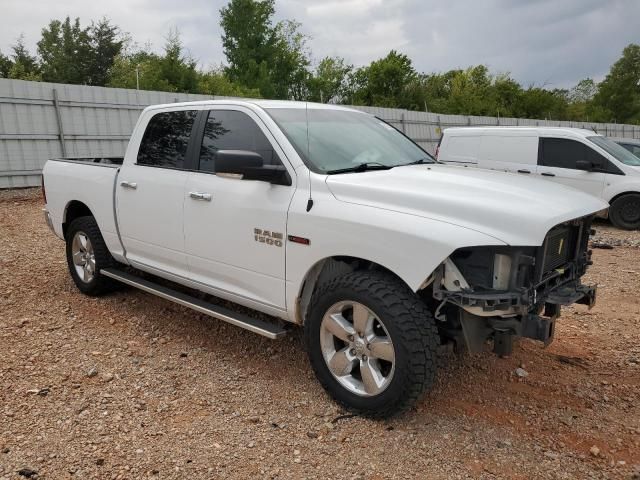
pixel 87 254
pixel 625 212
pixel 372 343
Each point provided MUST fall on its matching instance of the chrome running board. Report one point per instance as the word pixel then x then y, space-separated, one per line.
pixel 266 329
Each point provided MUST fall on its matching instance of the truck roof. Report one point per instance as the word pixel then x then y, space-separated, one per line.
pixel 264 104
pixel 580 132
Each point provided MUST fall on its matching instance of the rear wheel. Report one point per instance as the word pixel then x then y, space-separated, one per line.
pixel 87 254
pixel 625 212
pixel 371 342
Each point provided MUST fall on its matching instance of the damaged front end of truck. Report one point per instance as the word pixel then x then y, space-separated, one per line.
pixel 500 293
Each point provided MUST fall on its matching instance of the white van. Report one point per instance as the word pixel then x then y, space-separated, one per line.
pixel 574 157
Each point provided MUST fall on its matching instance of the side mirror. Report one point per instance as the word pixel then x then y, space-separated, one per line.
pixel 251 166
pixel 585 165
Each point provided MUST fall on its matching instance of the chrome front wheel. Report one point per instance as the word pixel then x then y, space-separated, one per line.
pixel 357 348
pixel 371 342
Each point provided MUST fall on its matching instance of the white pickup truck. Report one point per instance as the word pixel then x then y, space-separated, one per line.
pixel 330 219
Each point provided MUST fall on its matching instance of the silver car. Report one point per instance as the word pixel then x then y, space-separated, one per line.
pixel 630 144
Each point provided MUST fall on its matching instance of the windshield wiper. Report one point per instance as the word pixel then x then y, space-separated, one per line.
pixel 363 167
pixel 417 162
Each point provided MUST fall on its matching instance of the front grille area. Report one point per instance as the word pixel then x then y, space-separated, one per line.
pixel 557 249
pixel 564 244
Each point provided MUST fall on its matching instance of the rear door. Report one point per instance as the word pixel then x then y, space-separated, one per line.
pixel 150 194
pixel 557 158
pixel 235 230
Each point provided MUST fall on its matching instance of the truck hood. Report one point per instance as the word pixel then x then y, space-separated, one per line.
pixel 509 207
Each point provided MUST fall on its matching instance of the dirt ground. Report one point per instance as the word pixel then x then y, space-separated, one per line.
pixel 131 386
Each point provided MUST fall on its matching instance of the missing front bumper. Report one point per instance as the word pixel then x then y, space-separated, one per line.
pixel 477 330
pixel 582 294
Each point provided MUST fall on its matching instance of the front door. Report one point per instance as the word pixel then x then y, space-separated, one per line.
pixel 150 194
pixel 235 230
pixel 557 159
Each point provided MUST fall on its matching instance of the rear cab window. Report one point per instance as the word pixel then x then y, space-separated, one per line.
pixel 166 139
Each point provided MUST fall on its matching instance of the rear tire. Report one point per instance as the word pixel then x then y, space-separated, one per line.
pixel 87 254
pixel 625 212
pixel 380 369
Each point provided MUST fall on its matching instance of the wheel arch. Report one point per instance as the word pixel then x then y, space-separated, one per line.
pixel 328 268
pixel 627 192
pixel 74 209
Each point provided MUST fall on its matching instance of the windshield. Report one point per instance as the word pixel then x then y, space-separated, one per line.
pixel 612 148
pixel 342 140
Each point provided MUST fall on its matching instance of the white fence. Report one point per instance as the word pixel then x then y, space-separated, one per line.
pixel 41 120
pixel 425 128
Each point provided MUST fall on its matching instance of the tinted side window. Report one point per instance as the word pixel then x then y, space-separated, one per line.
pixel 596 159
pixel 166 138
pixel 562 153
pixel 233 130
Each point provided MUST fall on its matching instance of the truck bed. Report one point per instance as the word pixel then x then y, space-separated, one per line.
pixel 80 180
pixel 103 161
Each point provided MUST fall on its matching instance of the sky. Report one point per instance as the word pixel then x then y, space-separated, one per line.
pixel 549 43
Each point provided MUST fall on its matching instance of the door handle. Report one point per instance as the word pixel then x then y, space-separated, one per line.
pixel 548 174
pixel 524 171
pixel 131 185
pixel 200 196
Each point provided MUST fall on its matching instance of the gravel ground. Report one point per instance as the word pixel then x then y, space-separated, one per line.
pixel 610 236
pixel 131 386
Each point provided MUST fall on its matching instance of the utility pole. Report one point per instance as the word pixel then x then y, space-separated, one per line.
pixel 137 77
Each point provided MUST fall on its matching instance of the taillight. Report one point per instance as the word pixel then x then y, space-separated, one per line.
pixel 44 192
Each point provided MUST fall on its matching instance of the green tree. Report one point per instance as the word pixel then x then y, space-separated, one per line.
pixel 580 99
pixel 540 103
pixel 437 89
pixel 64 50
pixel 5 65
pixel 24 65
pixel 260 54
pixel 248 41
pixel 384 82
pixel 584 91
pixel 619 92
pixel 106 42
pixel 506 95
pixel 140 68
pixel 174 71
pixel 77 55
pixel 178 68
pixel 329 82
pixel 215 82
pixel 470 92
pixel 291 66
